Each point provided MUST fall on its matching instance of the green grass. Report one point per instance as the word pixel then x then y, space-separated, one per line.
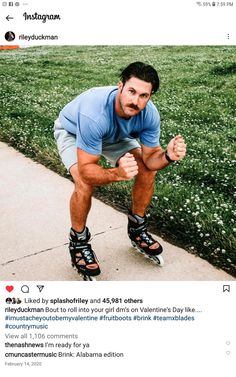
pixel 194 201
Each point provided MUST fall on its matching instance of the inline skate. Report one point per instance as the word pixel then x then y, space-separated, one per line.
pixel 83 258
pixel 142 240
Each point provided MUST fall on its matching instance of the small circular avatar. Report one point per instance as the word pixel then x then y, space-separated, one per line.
pixel 10 36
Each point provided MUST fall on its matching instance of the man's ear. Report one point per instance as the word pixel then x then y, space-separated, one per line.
pixel 120 86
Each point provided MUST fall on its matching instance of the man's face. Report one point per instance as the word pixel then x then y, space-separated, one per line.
pixel 132 97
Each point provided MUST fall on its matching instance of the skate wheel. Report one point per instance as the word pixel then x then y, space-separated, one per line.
pixel 89 278
pixel 85 277
pixel 159 260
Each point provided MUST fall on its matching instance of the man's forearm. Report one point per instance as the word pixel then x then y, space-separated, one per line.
pixel 156 161
pixel 96 175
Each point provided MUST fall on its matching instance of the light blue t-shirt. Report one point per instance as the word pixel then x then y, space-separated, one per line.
pixel 92 118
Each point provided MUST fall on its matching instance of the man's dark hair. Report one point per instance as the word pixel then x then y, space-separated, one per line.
pixel 143 72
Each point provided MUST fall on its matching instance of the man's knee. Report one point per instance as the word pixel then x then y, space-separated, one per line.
pixel 74 172
pixel 80 185
pixel 142 168
pixel 146 178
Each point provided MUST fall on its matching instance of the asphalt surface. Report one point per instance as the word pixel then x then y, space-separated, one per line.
pixel 35 223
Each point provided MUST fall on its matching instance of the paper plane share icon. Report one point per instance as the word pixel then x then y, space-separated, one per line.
pixel 40 287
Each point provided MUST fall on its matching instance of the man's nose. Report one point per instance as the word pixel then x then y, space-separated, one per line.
pixel 135 100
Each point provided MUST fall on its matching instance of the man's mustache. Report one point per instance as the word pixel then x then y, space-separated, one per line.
pixel 132 106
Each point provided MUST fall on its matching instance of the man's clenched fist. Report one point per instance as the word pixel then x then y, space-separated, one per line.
pixel 127 167
pixel 176 148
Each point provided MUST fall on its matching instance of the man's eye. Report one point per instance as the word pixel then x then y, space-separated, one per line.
pixel 131 91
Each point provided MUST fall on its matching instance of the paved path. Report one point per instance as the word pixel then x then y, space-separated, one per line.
pixel 34 224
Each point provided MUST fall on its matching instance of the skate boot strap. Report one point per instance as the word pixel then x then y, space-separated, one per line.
pixel 141 234
pixel 82 251
pixel 144 241
pixel 84 259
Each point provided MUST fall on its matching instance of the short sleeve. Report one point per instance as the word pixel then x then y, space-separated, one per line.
pixel 89 135
pixel 150 134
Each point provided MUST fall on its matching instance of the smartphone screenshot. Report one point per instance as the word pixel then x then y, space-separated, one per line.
pixel 117 194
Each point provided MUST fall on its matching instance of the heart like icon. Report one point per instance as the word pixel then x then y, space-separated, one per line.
pixel 9 288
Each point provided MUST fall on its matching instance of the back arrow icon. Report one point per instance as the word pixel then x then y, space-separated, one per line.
pixel 9 18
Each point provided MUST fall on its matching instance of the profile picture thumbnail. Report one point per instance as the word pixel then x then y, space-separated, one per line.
pixel 10 36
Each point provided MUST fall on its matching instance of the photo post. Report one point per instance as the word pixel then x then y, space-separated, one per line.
pixel 117 153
